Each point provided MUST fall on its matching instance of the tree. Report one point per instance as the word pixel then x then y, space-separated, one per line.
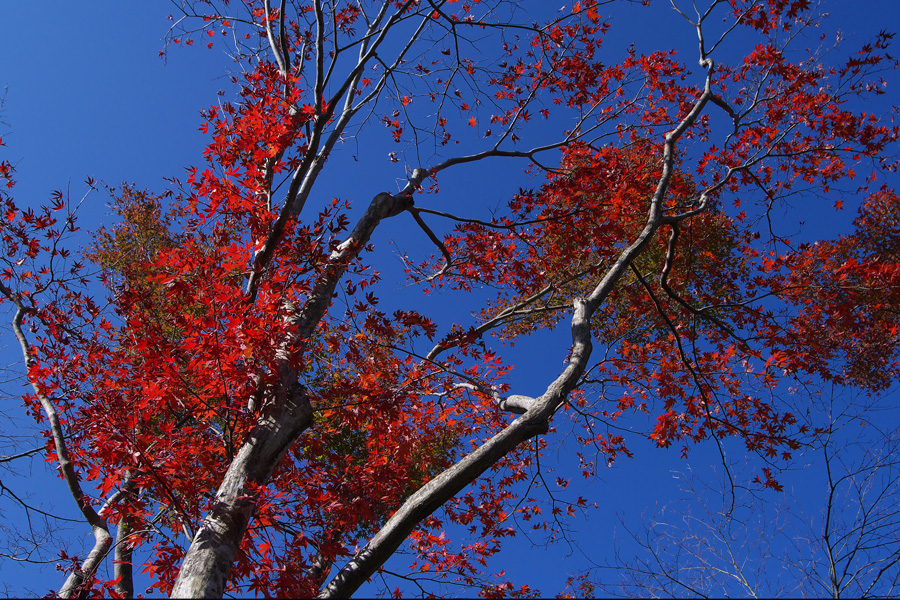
pixel 243 388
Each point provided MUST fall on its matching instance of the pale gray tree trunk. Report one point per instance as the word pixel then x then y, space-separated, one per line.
pixel 283 418
pixel 122 566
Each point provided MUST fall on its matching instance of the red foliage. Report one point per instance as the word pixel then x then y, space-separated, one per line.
pixel 708 318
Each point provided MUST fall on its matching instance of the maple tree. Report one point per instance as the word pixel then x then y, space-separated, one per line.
pixel 249 415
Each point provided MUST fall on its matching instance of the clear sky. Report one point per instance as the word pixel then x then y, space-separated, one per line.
pixel 87 94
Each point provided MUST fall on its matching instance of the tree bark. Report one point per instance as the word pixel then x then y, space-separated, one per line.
pixel 214 548
pixel 539 412
pixel 122 567
pixel 102 539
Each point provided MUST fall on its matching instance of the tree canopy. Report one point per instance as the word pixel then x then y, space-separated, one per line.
pixel 258 411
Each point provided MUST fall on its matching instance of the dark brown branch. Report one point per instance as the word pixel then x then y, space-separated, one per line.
pixel 449 259
pixel 664 283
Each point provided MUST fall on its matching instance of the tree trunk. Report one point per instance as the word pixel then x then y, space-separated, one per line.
pixel 215 546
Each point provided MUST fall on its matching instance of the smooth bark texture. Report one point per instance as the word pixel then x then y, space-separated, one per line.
pixel 215 546
pixel 536 419
pixel 283 418
pixel 123 569
pixel 99 527
pixel 254 381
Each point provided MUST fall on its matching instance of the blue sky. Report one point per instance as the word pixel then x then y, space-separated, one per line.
pixel 88 95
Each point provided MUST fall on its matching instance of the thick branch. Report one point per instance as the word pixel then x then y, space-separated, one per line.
pixel 99 527
pixel 122 565
pixel 282 419
pixel 102 538
pixel 536 419
pixel 215 546
pixel 319 146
